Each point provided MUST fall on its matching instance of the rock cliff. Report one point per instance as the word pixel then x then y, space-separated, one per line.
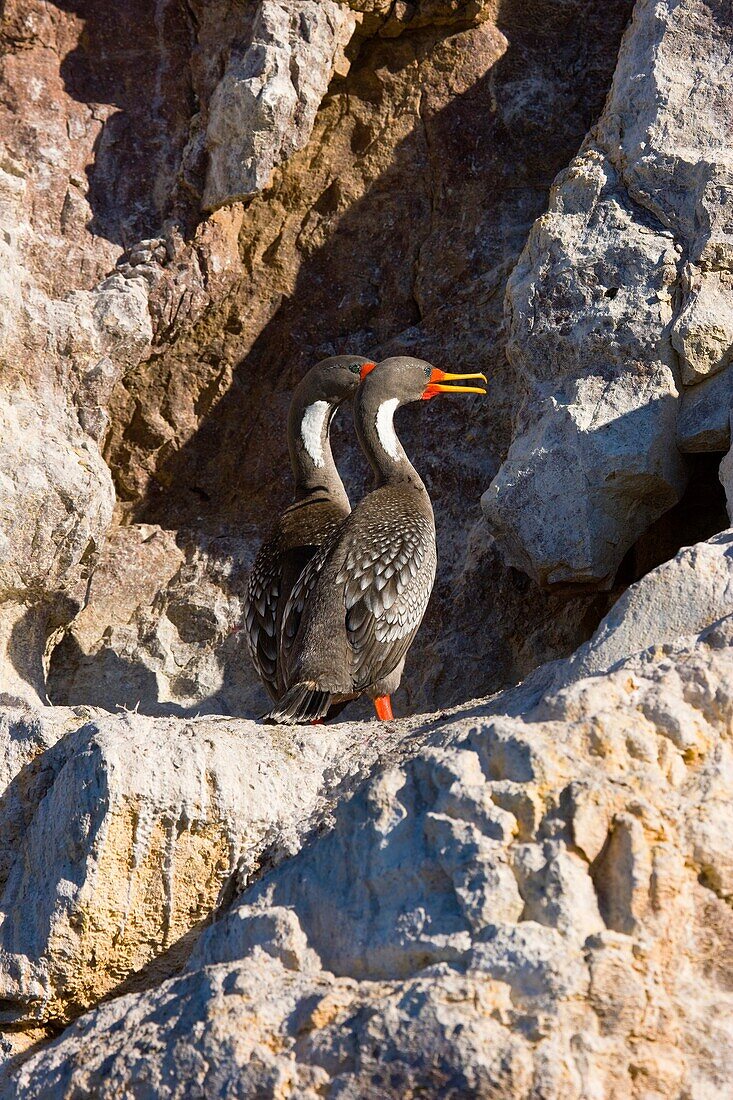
pixel 523 889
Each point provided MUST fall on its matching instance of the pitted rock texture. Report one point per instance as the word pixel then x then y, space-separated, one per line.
pixel 175 646
pixel 527 905
pixel 526 896
pixel 703 422
pixel 595 461
pixel 265 105
pixel 598 337
pixel 120 836
pixel 58 496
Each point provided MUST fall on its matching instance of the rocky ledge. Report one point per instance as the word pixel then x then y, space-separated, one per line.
pixel 528 895
pixel 524 889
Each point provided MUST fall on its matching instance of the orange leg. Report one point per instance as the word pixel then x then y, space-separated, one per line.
pixel 383 707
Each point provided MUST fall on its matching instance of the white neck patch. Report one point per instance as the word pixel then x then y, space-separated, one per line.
pixel 385 428
pixel 311 430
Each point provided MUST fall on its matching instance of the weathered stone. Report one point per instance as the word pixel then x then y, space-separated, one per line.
pixel 682 596
pixel 247 929
pixel 703 421
pixel 612 966
pixel 597 277
pixel 602 403
pixel 161 632
pixel 356 246
pixel 265 105
pixel 670 136
pixel 119 837
pixel 534 888
pixel 57 502
pixel 703 330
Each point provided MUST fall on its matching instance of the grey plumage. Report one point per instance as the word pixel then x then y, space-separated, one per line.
pixel 314 517
pixel 356 608
pixel 279 563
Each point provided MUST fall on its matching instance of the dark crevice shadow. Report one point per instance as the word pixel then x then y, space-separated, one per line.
pixel 133 56
pixel 697 516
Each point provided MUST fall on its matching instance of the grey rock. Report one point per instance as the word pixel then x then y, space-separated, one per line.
pixel 161 629
pixel 58 495
pixel 593 461
pixel 118 835
pixel 703 421
pixel 385 937
pixel 670 136
pixel 591 304
pixel 247 929
pixel 265 105
pixel 683 596
pixel 703 330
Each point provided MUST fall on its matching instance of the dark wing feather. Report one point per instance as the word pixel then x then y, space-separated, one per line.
pixel 298 598
pixel 260 613
pixel 387 581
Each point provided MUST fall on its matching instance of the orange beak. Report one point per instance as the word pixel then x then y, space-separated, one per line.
pixel 437 377
pixel 366 368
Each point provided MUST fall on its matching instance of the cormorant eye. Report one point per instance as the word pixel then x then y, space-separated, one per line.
pixel 427 371
pixel 355 368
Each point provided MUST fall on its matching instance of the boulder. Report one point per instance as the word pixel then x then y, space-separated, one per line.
pixel 600 276
pixel 703 421
pixel 119 834
pixel 265 105
pixel 593 461
pixel 683 596
pixel 161 632
pixel 512 900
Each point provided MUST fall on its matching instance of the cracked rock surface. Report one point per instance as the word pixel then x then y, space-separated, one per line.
pixel 524 895
pixel 531 904
pixel 621 298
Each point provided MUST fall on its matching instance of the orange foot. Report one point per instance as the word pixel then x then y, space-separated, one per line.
pixel 383 707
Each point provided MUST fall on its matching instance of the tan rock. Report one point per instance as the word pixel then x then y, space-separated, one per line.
pixel 119 839
pixel 703 330
pixel 390 936
pixel 264 107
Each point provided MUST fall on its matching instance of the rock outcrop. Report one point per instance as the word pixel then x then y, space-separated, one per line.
pixel 529 904
pixel 118 839
pixel 265 105
pixel 680 597
pixel 525 895
pixel 620 299
pixel 174 646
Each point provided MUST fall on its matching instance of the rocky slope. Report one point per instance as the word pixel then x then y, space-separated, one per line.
pixel 526 895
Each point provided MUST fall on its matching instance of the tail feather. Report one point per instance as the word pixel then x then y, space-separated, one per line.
pixel 304 702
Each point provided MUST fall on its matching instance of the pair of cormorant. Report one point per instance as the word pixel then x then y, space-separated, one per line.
pixel 336 597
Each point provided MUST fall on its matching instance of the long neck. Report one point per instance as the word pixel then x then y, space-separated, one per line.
pixel 309 443
pixel 375 430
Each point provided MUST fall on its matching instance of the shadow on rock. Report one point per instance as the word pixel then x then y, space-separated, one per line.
pixel 134 57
